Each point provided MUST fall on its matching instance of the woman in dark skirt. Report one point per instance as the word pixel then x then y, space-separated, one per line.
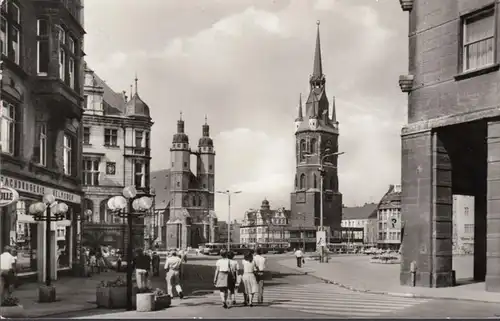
pixel 222 277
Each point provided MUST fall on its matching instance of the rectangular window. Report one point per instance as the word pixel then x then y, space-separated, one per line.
pixel 139 138
pixel 42 155
pixel 67 154
pixel 71 72
pixel 90 171
pixel 147 140
pixel 3 36
pixel 43 55
pixel 86 135
pixel 85 102
pixel 139 174
pixel 62 64
pixel 61 35
pixel 71 45
pixel 7 130
pixel 15 39
pixel 478 40
pixel 14 12
pixel 110 137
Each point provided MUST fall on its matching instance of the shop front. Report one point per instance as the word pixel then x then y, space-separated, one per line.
pixel 20 230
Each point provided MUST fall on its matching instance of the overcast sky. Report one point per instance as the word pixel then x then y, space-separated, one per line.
pixel 244 64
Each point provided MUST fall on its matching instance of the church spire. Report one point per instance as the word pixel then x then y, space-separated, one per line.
pixel 206 128
pixel 299 115
pixel 317 77
pixel 180 125
pixel 136 80
pixel 334 112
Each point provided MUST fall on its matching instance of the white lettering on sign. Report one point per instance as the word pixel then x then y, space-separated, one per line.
pixel 8 196
pixel 32 188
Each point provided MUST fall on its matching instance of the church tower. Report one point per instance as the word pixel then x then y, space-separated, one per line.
pixel 206 179
pixel 179 221
pixel 316 135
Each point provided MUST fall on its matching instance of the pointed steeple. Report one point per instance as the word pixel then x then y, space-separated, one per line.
pixel 206 128
pixel 205 140
pixel 299 115
pixel 318 65
pixel 136 80
pixel 180 125
pixel 317 77
pixel 334 112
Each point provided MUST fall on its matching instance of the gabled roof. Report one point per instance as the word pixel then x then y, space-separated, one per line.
pixel 359 212
pixel 114 103
pixel 160 181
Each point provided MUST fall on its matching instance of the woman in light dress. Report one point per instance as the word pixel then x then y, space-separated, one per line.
pixel 222 275
pixel 234 279
pixel 248 278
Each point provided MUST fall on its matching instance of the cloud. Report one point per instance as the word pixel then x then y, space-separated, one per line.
pixel 244 63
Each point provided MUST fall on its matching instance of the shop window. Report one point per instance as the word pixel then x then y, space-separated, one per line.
pixel 24 236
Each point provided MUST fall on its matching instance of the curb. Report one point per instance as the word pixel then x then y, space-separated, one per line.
pixel 43 315
pixel 394 294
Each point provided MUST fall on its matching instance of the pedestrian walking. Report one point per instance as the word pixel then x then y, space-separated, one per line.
pixel 156 264
pixel 7 266
pixel 93 262
pixel 260 262
pixel 234 277
pixel 172 269
pixel 248 278
pixel 142 264
pixel 221 277
pixel 299 255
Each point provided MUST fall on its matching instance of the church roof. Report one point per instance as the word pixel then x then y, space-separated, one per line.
pixel 359 212
pixel 160 181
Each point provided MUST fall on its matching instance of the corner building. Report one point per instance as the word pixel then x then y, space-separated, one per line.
pixel 316 131
pixel 41 47
pixel 116 153
pixel 451 143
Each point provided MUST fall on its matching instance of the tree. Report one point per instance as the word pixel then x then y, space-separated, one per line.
pixel 93 239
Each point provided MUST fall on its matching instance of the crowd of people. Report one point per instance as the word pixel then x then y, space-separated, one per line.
pixel 248 278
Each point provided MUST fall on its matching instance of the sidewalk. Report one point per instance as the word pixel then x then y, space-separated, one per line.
pixel 358 274
pixel 73 294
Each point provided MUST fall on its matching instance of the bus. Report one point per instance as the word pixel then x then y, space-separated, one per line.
pixel 273 247
pixel 213 248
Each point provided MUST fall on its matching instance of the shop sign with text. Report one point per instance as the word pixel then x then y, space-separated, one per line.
pixel 7 196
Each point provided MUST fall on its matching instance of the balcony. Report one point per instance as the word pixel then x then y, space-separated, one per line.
pixel 59 96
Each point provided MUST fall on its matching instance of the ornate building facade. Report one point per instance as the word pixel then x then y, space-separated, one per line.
pixel 389 208
pixel 265 225
pixel 185 200
pixel 316 132
pixel 116 153
pixel 41 87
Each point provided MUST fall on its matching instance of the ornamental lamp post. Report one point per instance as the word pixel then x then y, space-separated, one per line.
pixel 48 210
pixel 228 193
pixel 131 206
pixel 87 214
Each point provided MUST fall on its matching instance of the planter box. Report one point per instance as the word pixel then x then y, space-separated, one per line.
pixel 114 298
pixel 47 294
pixel 145 302
pixel 162 302
pixel 12 312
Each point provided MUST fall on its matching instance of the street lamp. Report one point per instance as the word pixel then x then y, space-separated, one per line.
pixel 228 193
pixel 87 214
pixel 130 205
pixel 321 170
pixel 48 210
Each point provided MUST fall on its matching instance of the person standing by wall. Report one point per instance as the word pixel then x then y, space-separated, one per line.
pixel 172 269
pixel 156 264
pixel 260 262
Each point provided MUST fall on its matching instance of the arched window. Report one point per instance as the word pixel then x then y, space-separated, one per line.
pixel 302 181
pixel 315 181
pixel 302 150
pixel 313 146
